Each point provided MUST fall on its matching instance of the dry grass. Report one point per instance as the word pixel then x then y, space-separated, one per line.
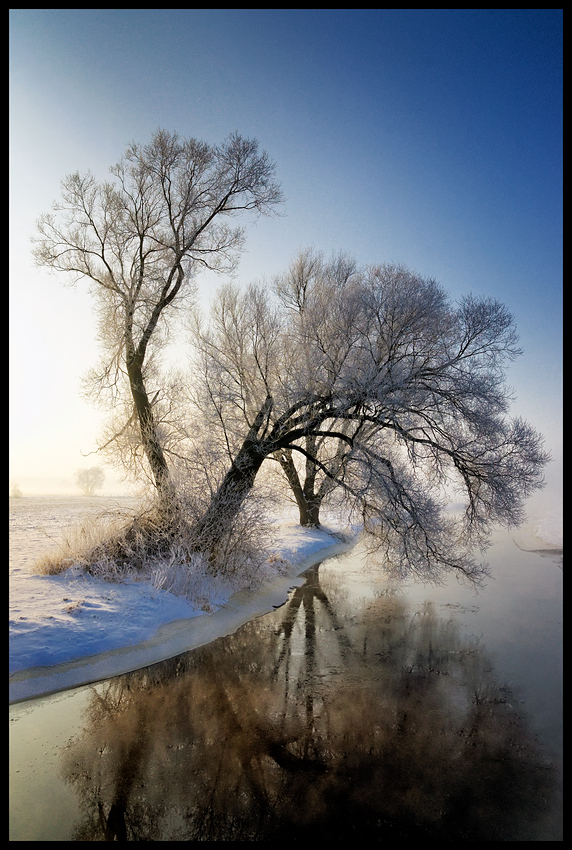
pixel 111 546
pixel 78 544
pixel 156 546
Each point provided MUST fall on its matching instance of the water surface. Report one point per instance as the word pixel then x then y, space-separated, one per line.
pixel 357 710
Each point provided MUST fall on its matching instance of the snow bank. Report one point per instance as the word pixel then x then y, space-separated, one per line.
pixel 70 630
pixel 549 530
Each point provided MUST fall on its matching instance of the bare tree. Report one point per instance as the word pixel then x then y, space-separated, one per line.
pixel 139 240
pixel 309 483
pixel 410 387
pixel 15 491
pixel 373 377
pixel 89 480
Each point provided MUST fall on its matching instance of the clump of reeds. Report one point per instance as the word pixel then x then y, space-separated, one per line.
pixel 79 543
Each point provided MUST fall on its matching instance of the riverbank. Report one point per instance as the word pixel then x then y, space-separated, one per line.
pixel 67 631
pixel 73 629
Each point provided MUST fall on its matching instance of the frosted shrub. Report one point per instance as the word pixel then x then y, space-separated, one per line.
pixel 190 578
pixel 157 545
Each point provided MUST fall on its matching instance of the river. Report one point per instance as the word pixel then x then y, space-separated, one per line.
pixel 358 710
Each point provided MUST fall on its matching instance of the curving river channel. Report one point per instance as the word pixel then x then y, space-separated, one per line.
pixel 358 710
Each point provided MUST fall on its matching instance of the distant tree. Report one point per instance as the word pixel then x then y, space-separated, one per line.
pixel 89 480
pixel 15 491
pixel 140 240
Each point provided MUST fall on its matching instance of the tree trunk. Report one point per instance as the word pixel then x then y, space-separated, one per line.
pixel 312 500
pixel 310 514
pixel 149 438
pixel 308 503
pixel 226 502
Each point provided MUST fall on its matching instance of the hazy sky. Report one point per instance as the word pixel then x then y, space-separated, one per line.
pixel 431 138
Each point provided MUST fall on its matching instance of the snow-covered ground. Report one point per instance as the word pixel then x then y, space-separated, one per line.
pixel 68 629
pixel 549 530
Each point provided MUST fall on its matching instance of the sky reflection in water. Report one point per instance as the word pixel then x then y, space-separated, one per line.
pixel 354 711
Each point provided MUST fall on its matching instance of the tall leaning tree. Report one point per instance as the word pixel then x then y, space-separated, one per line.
pixel 139 240
pixel 394 393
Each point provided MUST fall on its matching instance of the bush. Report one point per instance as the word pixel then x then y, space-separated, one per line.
pixel 156 545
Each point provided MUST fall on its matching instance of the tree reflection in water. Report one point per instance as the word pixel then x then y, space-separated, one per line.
pixel 315 720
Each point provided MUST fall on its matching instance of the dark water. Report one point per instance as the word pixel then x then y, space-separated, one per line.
pixel 355 711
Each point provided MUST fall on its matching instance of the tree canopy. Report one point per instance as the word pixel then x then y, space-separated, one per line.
pixel 387 389
pixel 89 480
pixel 364 383
pixel 139 241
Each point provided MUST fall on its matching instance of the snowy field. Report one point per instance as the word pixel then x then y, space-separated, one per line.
pixel 67 630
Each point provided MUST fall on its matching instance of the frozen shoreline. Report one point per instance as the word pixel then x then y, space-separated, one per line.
pixel 178 635
pixel 73 629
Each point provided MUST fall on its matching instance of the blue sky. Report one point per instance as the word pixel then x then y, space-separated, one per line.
pixel 431 138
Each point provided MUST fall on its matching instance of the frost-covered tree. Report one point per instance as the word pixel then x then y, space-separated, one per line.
pixel 15 491
pixel 309 483
pixel 89 480
pixel 138 240
pixel 383 388
pixel 390 390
